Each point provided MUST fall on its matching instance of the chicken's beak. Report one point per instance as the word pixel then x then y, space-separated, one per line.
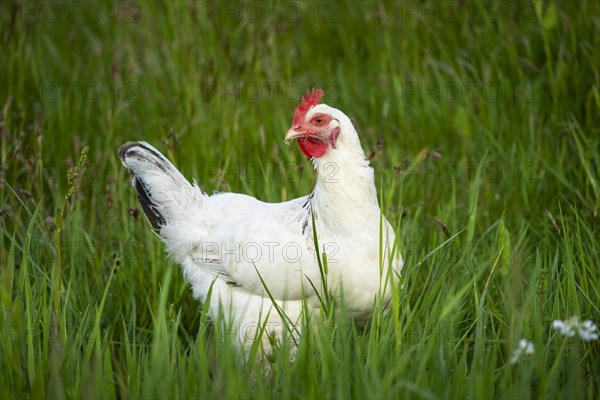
pixel 293 134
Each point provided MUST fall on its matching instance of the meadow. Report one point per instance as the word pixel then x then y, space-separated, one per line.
pixel 481 120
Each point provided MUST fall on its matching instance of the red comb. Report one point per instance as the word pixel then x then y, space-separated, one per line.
pixel 310 100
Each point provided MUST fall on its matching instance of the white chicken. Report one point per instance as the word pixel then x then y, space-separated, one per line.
pixel 246 253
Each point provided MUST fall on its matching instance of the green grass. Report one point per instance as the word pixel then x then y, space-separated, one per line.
pixel 489 117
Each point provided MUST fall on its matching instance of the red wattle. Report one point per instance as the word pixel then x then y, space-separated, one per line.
pixel 312 148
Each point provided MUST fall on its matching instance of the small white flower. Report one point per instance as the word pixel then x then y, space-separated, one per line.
pixel 564 327
pixel 524 348
pixel 527 347
pixel 557 324
pixel 587 330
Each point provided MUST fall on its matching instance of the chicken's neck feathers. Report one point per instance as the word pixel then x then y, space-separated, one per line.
pixel 345 193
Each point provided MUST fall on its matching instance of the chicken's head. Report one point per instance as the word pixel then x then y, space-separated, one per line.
pixel 315 126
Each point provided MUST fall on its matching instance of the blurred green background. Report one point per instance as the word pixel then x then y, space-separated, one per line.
pixel 480 117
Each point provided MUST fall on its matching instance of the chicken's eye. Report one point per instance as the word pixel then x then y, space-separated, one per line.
pixel 319 121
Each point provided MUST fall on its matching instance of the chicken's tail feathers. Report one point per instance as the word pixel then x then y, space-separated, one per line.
pixel 164 194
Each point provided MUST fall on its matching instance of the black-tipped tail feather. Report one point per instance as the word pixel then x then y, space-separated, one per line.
pixel 162 191
pixel 156 219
